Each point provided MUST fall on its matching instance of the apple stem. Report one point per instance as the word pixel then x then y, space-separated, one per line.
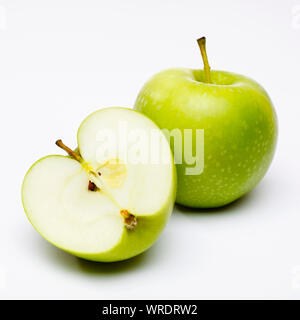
pixel 202 43
pixel 71 153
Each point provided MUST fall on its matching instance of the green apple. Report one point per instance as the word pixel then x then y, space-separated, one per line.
pixel 239 125
pixel 101 202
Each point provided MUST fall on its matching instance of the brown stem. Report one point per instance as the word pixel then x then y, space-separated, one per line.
pixel 202 43
pixel 73 154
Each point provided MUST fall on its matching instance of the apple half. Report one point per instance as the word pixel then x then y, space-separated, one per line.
pixel 103 203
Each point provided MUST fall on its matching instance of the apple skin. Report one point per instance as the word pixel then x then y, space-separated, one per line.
pixel 240 130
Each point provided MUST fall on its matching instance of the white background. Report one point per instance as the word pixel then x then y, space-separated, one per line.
pixel 61 60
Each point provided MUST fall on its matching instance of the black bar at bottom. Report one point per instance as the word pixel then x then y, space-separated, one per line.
pixel 158 309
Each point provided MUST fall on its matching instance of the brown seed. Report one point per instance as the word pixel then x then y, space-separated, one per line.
pixel 92 186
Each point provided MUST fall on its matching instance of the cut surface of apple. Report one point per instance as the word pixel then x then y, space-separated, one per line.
pixel 109 201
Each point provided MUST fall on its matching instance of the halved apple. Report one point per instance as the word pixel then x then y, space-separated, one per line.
pixel 110 199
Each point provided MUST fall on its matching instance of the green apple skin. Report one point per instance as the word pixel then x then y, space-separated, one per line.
pixel 240 130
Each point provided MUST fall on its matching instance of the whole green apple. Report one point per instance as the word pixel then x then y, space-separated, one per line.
pixel 97 205
pixel 239 125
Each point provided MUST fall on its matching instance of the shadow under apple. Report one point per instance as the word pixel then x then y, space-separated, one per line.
pixel 232 207
pixel 74 264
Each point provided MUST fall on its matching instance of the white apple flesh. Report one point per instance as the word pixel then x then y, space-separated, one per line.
pixel 97 206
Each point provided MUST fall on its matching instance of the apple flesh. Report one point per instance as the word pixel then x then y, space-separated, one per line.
pixel 240 130
pixel 100 206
